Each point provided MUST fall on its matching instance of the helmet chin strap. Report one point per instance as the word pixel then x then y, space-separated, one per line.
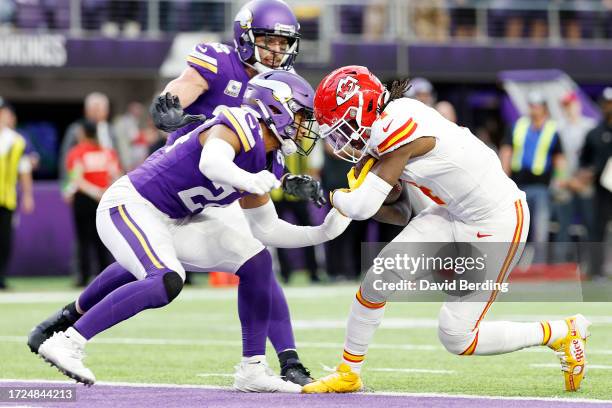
pixel 287 146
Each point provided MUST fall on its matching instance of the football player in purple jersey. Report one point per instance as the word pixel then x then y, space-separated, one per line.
pixel 153 223
pixel 265 37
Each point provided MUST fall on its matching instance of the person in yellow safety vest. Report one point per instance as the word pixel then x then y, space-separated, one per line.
pixel 531 154
pixel 14 166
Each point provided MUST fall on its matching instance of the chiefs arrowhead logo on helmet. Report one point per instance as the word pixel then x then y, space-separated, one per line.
pixel 347 87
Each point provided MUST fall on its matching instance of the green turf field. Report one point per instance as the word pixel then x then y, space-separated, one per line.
pixel 196 340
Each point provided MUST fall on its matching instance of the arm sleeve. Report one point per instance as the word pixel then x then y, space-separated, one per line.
pixel 217 163
pixel 271 230
pixel 363 202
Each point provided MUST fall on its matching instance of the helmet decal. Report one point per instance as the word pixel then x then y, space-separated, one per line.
pixel 347 88
pixel 244 18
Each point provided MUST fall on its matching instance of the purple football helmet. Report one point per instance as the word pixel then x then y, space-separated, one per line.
pixel 268 18
pixel 284 101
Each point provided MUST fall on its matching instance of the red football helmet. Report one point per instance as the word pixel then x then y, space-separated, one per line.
pixel 345 106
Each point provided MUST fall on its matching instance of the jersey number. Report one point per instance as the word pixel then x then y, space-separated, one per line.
pixel 198 198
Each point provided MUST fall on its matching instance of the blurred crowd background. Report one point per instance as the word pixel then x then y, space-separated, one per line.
pixel 84 127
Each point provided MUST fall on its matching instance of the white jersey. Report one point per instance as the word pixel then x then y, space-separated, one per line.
pixel 460 173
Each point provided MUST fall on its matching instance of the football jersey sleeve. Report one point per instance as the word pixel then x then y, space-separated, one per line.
pixel 399 124
pixel 243 124
pixel 207 59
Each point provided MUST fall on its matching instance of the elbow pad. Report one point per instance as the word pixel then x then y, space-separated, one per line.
pixel 363 202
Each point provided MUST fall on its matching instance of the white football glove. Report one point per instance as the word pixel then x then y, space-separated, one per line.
pixel 260 183
pixel 335 223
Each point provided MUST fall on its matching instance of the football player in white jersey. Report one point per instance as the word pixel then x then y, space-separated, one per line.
pixel 475 202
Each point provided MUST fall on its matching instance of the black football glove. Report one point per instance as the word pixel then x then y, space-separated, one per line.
pixel 168 115
pixel 305 188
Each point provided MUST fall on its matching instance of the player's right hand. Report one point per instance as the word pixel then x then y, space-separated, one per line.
pixel 168 115
pixel 261 183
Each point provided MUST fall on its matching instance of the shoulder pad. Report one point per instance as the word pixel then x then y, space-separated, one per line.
pixel 243 123
pixel 394 127
pixel 208 56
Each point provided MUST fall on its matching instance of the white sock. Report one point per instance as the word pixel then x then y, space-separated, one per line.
pixel 254 359
pixel 362 323
pixel 75 336
pixel 499 337
pixel 558 329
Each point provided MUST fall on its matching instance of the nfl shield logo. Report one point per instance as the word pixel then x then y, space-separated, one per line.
pixel 233 88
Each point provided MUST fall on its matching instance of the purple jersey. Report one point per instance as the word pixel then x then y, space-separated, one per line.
pixel 226 76
pixel 172 181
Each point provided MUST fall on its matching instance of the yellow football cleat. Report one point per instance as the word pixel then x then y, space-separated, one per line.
pixel 571 350
pixel 343 380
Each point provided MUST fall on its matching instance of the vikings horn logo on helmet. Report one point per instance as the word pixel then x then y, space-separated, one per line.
pixel 347 87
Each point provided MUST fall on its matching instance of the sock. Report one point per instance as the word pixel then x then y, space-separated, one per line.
pixel 254 359
pixel 280 331
pixel 254 302
pixel 364 319
pixel 111 278
pixel 553 330
pixel 123 303
pixel 288 357
pixel 499 337
pixel 75 336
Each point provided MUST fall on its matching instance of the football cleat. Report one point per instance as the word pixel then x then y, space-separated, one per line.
pixel 571 350
pixel 295 372
pixel 254 375
pixel 342 380
pixel 59 321
pixel 63 351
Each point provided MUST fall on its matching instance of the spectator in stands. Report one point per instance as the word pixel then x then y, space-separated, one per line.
pixel 595 169
pixel 287 207
pixel 375 19
pixel 91 170
pixel 572 132
pixel 463 15
pixel 422 90
pixel 431 21
pixel 97 110
pixel 15 167
pixel 529 154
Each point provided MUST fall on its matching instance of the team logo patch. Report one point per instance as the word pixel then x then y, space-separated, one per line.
pixel 233 88
pixel 347 88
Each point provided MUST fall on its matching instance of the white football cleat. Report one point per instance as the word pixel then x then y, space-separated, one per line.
pixel 254 375
pixel 64 350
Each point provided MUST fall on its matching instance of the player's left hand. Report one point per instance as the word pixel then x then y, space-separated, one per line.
pixel 168 114
pixel 304 187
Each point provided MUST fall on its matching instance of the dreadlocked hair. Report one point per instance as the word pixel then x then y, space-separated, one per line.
pixel 396 91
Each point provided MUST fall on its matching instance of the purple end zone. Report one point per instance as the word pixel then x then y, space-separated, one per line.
pixel 114 396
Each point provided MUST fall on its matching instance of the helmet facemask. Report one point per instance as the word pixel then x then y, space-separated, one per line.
pixel 347 136
pixel 283 56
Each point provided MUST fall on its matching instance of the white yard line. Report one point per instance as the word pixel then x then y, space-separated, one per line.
pixel 214 375
pixel 399 394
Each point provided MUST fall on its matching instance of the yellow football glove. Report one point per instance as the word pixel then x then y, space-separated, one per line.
pixel 355 182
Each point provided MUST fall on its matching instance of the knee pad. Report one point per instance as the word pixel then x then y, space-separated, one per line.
pixel 454 334
pixel 173 283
